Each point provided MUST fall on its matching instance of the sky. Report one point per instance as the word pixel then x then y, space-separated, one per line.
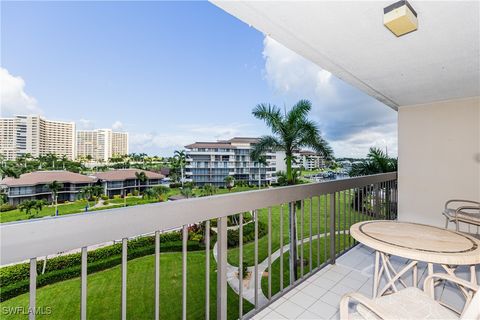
pixel 170 73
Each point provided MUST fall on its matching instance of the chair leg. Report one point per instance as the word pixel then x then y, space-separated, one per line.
pixel 446 223
pixel 457 225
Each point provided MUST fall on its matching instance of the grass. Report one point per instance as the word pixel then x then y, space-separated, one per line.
pixel 79 205
pixel 342 222
pixel 104 287
pixel 104 292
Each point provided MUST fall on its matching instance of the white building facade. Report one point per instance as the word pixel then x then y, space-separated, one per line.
pixel 101 144
pixel 37 136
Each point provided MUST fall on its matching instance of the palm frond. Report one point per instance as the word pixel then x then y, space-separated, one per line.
pixel 265 144
pixel 299 111
pixel 270 114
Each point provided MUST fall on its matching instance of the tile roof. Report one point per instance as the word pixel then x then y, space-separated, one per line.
pixel 125 174
pixel 43 177
pixel 219 144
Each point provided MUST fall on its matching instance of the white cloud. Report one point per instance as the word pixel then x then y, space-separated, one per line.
pixel 13 98
pixel 117 125
pixel 166 142
pixel 348 118
pixel 85 124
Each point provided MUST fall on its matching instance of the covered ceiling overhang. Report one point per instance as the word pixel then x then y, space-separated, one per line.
pixel 439 61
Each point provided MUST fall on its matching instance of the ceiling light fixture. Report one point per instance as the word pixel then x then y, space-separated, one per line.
pixel 400 18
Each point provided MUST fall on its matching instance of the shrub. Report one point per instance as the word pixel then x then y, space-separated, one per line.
pixel 248 234
pixel 129 194
pixel 175 185
pixel 106 202
pixel 7 207
pixel 104 197
pixel 135 192
pixel 22 285
pixel 117 196
pixel 14 280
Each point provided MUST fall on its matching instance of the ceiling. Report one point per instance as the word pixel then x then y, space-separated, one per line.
pixel 439 61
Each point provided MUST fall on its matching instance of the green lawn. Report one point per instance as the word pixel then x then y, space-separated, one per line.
pixel 104 292
pixel 104 287
pixel 79 205
pixel 342 222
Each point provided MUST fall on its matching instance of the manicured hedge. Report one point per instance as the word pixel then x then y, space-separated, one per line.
pixel 15 279
pixel 233 236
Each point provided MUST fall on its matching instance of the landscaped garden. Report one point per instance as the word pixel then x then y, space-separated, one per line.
pixel 79 205
pixel 62 294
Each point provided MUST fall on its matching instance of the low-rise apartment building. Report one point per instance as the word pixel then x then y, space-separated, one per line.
pixel 212 162
pixel 37 136
pixel 125 181
pixel 311 160
pixel 34 186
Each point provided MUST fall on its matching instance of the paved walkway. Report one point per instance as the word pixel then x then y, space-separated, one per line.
pixel 249 285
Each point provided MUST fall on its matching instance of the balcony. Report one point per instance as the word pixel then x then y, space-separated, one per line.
pixel 248 229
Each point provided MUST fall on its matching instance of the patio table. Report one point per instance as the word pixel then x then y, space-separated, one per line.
pixel 415 242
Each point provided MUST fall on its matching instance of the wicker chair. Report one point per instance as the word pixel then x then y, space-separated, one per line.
pixel 413 303
pixel 466 211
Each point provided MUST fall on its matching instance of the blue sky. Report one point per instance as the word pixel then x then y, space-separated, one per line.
pixel 169 73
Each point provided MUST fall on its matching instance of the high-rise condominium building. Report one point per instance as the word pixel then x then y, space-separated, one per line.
pixel 37 136
pixel 101 144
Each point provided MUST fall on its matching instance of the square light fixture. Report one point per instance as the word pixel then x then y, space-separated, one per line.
pixel 400 18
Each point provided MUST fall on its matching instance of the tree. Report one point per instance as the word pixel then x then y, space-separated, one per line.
pixel 149 194
pixel 377 162
pixel 262 161
pixel 161 191
pixel 54 187
pixel 141 177
pixel 28 205
pixel 181 161
pixel 282 177
pixel 209 189
pixel 9 171
pixel 291 131
pixel 187 192
pixel 229 182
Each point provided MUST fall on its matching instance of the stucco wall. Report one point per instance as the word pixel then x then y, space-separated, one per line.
pixel 439 157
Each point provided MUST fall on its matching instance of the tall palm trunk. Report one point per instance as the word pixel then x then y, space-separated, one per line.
pixel 288 160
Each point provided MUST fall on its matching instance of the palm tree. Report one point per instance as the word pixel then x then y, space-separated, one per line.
pixel 262 161
pixel 291 131
pixel 141 177
pixel 377 161
pixel 229 182
pixel 8 171
pixel 181 161
pixel 160 191
pixel 54 187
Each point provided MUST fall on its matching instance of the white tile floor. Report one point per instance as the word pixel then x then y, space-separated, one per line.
pixel 319 296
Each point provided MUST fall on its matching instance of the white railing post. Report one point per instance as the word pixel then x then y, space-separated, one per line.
pixel 222 268
pixel 332 228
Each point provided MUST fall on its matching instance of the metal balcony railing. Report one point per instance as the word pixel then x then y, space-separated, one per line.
pixel 318 215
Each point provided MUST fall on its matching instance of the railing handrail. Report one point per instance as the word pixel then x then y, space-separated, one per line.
pixel 35 238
